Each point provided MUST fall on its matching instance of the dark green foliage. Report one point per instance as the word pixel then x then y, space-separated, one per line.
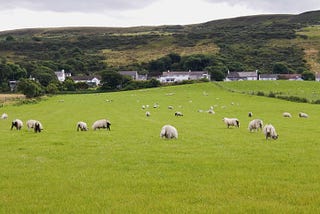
pixel 308 75
pixel 30 88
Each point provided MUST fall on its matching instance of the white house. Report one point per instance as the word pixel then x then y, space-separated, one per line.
pixel 243 75
pixel 61 75
pixel 90 80
pixel 178 76
pixel 268 76
pixel 134 75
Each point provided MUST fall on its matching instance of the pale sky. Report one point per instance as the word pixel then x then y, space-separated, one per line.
pixel 17 14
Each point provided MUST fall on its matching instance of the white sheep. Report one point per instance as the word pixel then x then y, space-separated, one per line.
pixel 170 107
pixel 231 122
pixel 250 114
pixel 210 111
pixel 38 127
pixel 168 132
pixel 178 114
pixel 82 126
pixel 30 124
pixel 304 115
pixel 270 132
pixel 101 124
pixel 286 114
pixel 4 116
pixel 255 124
pixel 17 123
pixel 148 114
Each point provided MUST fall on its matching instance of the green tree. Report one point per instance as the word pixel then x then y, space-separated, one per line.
pixel 308 75
pixel 112 80
pixel 280 68
pixel 29 88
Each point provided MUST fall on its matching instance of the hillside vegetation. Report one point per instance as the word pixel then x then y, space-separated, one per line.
pixel 208 169
pixel 262 42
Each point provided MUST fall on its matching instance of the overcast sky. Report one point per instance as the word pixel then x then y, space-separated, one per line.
pixel 17 14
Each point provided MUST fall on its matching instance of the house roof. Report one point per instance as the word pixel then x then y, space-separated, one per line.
pixel 269 75
pixel 79 78
pixel 289 76
pixel 177 73
pixel 128 73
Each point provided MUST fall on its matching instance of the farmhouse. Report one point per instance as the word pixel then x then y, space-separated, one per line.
pixel 134 75
pixel 290 77
pixel 92 81
pixel 61 75
pixel 178 76
pixel 317 77
pixel 243 75
pixel 268 76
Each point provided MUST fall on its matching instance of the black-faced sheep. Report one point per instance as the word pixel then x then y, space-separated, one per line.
pixel 82 126
pixel 148 114
pixel 250 114
pixel 255 124
pixel 4 116
pixel 304 115
pixel 286 114
pixel 17 123
pixel 37 127
pixel 270 132
pixel 231 122
pixel 101 124
pixel 168 132
pixel 178 114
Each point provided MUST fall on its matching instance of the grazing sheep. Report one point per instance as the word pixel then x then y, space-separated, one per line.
pixel 250 114
pixel 17 123
pixel 30 124
pixel 170 107
pixel 37 127
pixel 156 105
pixel 255 124
pixel 270 132
pixel 210 111
pixel 231 122
pixel 101 124
pixel 178 114
pixel 4 116
pixel 143 106
pixel 82 126
pixel 169 132
pixel 148 114
pixel 304 115
pixel 286 114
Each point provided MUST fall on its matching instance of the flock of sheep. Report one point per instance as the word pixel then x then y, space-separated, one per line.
pixel 37 126
pixel 167 131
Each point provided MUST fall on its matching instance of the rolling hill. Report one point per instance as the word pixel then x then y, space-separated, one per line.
pixel 243 43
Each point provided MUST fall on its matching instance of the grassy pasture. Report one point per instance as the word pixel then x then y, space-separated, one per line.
pixel 208 169
pixel 308 90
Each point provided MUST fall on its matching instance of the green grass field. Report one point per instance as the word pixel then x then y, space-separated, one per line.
pixel 208 169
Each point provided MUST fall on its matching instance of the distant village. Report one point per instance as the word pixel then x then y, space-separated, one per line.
pixel 179 76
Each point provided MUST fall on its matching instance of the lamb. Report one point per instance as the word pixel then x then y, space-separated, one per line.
pixel 270 132
pixel 286 114
pixel 178 114
pixel 250 114
pixel 101 124
pixel 304 115
pixel 231 122
pixel 82 126
pixel 148 114
pixel 255 124
pixel 37 127
pixel 168 132
pixel 17 123
pixel 170 107
pixel 4 116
